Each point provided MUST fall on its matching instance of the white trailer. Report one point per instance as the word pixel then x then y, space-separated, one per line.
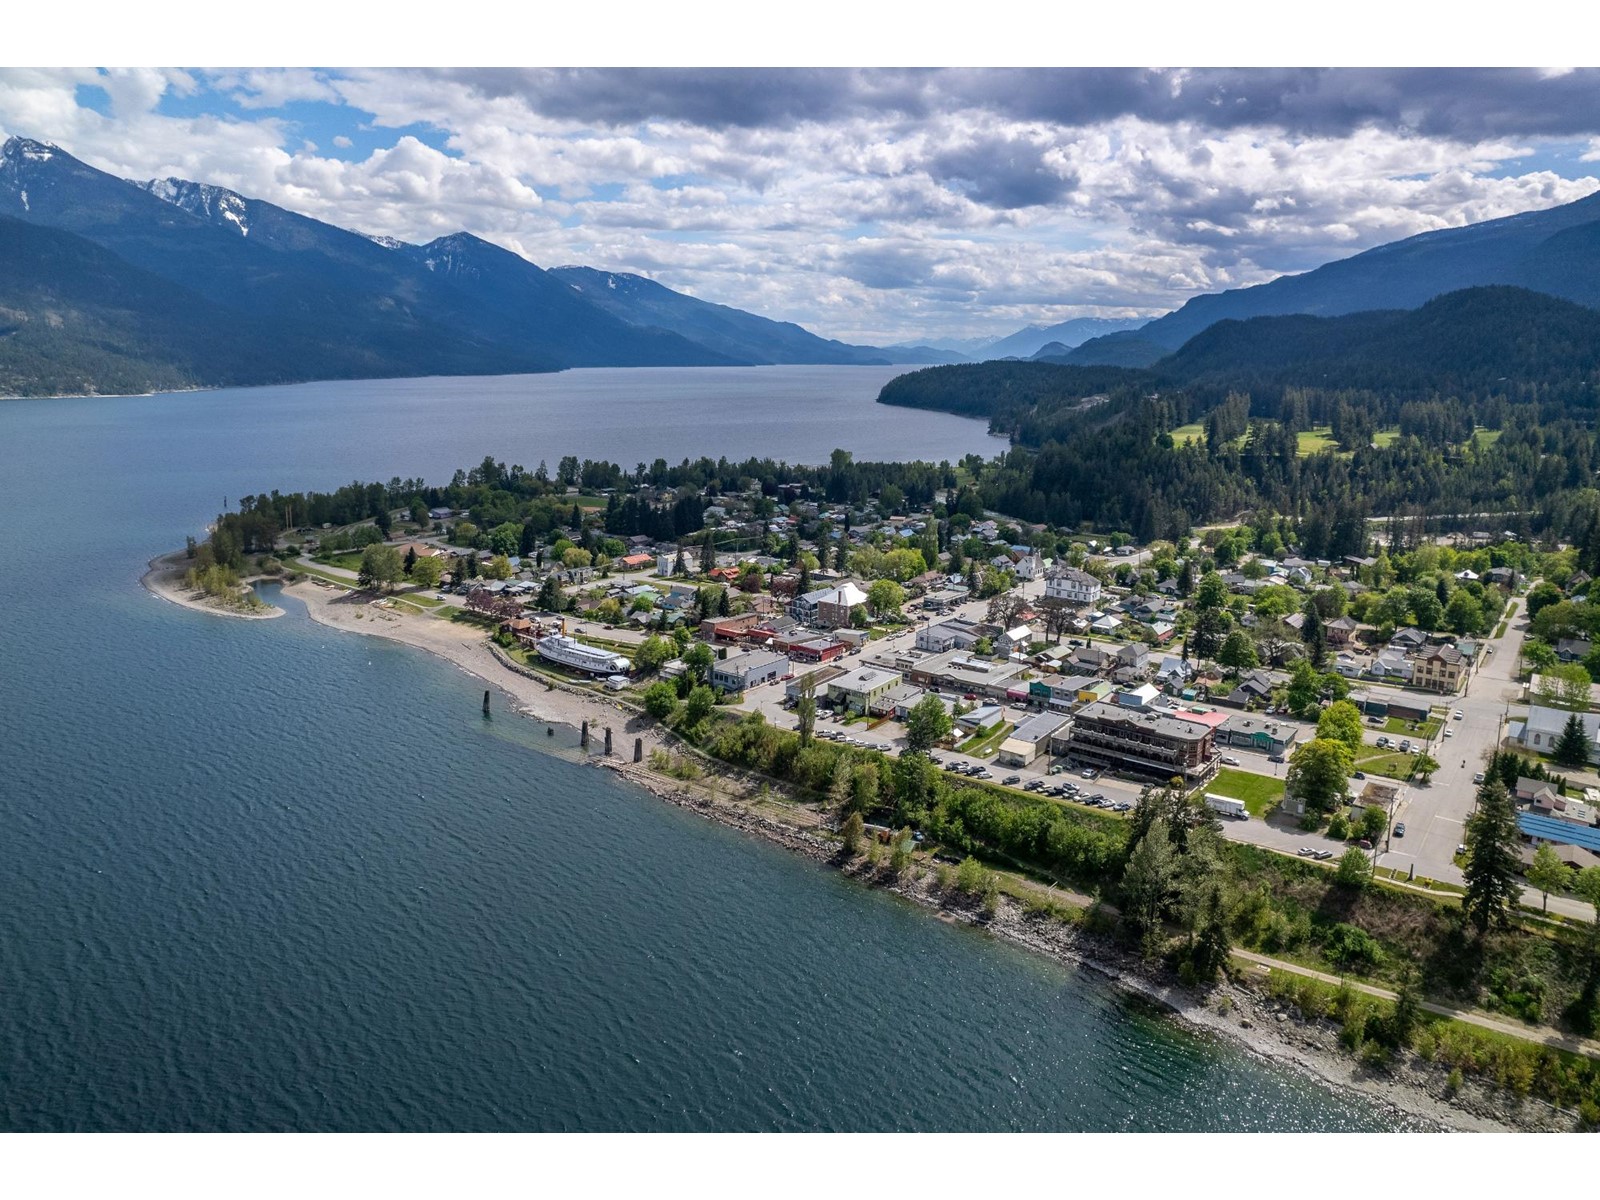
pixel 1227 806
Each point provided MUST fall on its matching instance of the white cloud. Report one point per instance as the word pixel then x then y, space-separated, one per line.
pixel 971 211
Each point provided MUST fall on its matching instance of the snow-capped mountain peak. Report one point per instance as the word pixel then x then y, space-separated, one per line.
pixel 216 204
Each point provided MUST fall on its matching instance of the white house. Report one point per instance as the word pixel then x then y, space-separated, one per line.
pixel 1013 639
pixel 1073 586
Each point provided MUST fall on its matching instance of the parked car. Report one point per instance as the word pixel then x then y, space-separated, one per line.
pixel 1090 773
pixel 1456 716
pixel 1230 760
pixel 1277 758
pixel 1382 743
pixel 1358 775
pixel 1400 829
pixel 1449 733
pixel 1307 851
pixel 1478 778
pixel 1364 844
pixel 1405 746
pixel 1057 769
pixel 1324 855
pixel 1009 780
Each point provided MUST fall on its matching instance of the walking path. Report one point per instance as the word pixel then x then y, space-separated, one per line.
pixel 1526 1033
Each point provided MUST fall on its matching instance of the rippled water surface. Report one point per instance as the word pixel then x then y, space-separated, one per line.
pixel 257 875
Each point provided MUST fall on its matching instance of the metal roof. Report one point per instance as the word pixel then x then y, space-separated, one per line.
pixel 1553 829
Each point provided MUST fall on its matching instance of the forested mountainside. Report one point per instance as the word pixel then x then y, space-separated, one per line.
pixel 1480 401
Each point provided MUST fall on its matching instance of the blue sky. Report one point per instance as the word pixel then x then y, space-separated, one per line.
pixel 867 204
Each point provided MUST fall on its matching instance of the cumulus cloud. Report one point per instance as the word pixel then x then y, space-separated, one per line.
pixel 867 204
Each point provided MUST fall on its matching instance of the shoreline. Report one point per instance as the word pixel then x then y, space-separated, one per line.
pixel 164 577
pixel 1411 1089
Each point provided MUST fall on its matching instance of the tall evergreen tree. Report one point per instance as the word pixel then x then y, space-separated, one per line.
pixel 1492 859
pixel 1572 747
pixel 1314 635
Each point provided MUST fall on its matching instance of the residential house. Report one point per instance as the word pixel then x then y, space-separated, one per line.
pixel 1391 664
pixel 1174 671
pixel 1143 696
pixel 1573 649
pixel 1135 656
pixel 1091 658
pixel 1013 640
pixel 1255 687
pixel 828 607
pixel 1340 630
pixel 1408 639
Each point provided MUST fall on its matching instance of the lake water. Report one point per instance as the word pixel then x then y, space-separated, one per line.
pixel 262 876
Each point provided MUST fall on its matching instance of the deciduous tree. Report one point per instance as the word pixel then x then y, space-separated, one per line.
pixel 1341 721
pixel 927 724
pixel 1318 772
pixel 1549 874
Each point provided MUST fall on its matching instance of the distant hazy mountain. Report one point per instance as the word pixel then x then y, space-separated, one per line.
pixel 739 335
pixel 1127 348
pixel 1026 343
pixel 1556 251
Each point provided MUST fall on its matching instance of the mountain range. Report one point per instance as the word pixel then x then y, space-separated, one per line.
pixel 1555 251
pixel 113 286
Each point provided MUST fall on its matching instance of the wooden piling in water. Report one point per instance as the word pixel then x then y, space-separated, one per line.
pixel 638 749
pixel 608 741
pixel 583 735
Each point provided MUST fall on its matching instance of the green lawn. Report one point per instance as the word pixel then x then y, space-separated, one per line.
pixel 1260 793
pixel 1425 729
pixel 350 561
pixel 1390 763
pixel 1315 441
pixel 1385 438
pixel 1486 437
pixel 1193 430
pixel 986 741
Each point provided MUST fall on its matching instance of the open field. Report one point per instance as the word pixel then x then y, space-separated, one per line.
pixel 1315 441
pixel 1259 792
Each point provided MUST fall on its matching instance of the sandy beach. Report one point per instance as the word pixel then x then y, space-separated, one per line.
pixel 165 579
pixel 1412 1088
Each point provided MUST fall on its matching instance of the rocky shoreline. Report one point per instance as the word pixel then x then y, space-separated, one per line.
pixel 1415 1092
